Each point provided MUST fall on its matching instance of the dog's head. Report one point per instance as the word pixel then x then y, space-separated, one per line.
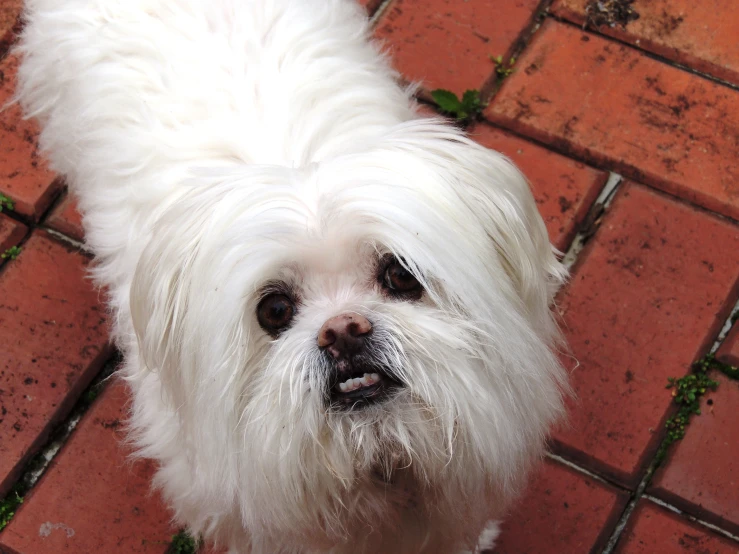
pixel 383 309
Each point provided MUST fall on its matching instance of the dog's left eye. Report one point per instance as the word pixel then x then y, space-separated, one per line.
pixel 275 312
pixel 398 280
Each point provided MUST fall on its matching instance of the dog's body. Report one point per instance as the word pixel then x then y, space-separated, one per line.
pixel 252 177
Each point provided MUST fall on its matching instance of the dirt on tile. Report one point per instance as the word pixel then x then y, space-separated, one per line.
pixel 610 12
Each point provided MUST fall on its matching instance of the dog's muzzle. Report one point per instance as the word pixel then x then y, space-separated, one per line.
pixel 355 381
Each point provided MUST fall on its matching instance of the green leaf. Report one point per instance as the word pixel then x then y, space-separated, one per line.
pixel 447 101
pixel 471 100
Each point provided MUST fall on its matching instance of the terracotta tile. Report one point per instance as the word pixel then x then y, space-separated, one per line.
pixel 646 299
pixel 729 351
pixel 11 233
pixel 66 219
pixel 617 107
pixel 564 189
pixel 92 498
pixel 701 35
pixel 24 175
pixel 447 43
pixel 701 474
pixel 54 340
pixel 562 511
pixel 652 530
pixel 9 12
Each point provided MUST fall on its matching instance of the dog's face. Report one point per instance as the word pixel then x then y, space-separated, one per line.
pixel 318 327
pixel 357 357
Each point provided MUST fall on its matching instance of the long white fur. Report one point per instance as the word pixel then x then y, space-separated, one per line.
pixel 215 146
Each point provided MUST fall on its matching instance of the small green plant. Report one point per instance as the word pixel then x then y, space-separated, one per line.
pixel 183 543
pixel 8 506
pixel 5 202
pixel 687 392
pixel 502 68
pixel 11 253
pixel 465 109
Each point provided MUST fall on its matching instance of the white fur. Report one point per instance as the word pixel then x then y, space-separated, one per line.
pixel 219 145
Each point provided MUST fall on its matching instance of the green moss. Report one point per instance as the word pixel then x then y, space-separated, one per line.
pixel 11 253
pixel 5 202
pixel 8 506
pixel 687 392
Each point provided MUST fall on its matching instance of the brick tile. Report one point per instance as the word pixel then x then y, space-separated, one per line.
pixel 66 219
pixel 701 35
pixel 652 529
pixel 11 233
pixel 92 498
pixel 613 105
pixel 701 474
pixel 564 189
pixel 729 351
pixel 562 511
pixel 447 43
pixel 24 175
pixel 9 12
pixel 646 298
pixel 54 340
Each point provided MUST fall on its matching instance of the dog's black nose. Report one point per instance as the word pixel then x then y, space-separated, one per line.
pixel 343 335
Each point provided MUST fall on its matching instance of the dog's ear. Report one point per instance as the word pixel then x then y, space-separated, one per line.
pixel 498 196
pixel 159 298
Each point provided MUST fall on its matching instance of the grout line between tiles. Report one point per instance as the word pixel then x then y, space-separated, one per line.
pixel 711 526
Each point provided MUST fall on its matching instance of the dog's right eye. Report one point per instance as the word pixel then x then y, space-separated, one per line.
pixel 275 312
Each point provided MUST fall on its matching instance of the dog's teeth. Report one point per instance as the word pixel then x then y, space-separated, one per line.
pixel 368 379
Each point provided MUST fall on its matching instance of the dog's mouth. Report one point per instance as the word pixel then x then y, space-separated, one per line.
pixel 360 389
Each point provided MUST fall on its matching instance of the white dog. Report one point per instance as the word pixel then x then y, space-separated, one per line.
pixel 334 313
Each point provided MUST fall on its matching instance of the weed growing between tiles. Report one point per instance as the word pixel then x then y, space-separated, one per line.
pixel 11 253
pixel 503 69
pixel 5 202
pixel 183 543
pixel 464 110
pixel 687 392
pixel 12 501
pixel 8 506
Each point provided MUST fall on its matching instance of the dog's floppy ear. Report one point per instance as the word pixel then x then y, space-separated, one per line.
pixel 160 291
pixel 498 196
pixel 172 292
pixel 501 197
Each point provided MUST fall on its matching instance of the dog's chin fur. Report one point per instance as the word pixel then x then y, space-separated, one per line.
pixel 218 147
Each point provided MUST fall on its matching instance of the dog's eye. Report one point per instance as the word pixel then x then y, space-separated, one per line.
pixel 275 312
pixel 399 280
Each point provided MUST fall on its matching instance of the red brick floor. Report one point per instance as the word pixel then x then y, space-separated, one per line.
pixel 658 277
